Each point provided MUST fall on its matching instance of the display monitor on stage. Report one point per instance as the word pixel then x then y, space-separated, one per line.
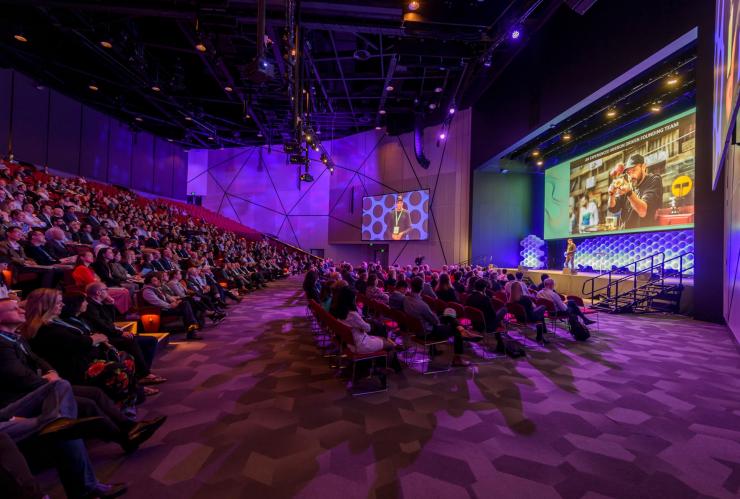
pixel 642 182
pixel 397 216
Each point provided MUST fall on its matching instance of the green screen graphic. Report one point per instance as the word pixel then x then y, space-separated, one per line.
pixel 642 182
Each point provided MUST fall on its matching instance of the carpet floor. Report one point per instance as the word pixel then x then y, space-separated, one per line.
pixel 650 407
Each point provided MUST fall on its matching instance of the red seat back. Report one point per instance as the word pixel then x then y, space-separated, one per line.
pixel 477 319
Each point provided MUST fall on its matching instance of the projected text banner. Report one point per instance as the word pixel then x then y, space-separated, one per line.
pixel 642 182
pixel 397 216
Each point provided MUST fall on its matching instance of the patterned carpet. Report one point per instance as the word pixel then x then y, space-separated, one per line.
pixel 649 408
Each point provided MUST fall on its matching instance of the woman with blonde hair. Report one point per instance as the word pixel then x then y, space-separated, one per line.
pixel 79 355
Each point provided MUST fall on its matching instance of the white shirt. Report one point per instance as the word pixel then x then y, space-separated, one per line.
pixel 554 297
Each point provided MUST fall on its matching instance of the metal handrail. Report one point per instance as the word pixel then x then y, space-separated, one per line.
pixel 633 276
pixel 611 273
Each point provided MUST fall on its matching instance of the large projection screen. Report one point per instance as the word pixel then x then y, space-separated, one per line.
pixel 650 174
pixel 397 216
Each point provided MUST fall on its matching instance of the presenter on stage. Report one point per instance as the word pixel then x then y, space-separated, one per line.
pixel 570 254
pixel 398 222
pixel 635 194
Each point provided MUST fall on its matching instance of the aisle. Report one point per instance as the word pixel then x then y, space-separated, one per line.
pixel 254 411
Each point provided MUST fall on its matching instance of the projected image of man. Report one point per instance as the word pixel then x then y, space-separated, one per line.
pixel 398 221
pixel 635 194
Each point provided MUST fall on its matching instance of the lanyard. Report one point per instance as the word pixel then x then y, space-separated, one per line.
pixel 397 215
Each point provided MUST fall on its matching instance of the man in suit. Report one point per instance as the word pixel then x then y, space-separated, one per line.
pixel 35 401
pixel 55 245
pixel 101 315
pixel 69 214
pixel 45 216
pixel 37 251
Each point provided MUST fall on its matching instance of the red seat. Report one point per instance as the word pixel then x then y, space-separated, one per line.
pixel 459 309
pixel 477 319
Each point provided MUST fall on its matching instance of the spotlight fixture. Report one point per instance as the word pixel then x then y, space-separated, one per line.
pixel 93 87
pixel 452 110
pixel 438 90
pixel 170 140
pixel 106 44
pixel 210 137
pixel 324 158
pixel 535 153
pixel 188 118
pixel 247 116
pixel 567 136
pixel 504 171
pixel 309 138
pixel 292 52
pixel 331 169
pixel 259 135
pixel 139 119
pixel 540 162
pixel 378 127
pixel 307 177
pixel 672 80
pixel 382 111
pixel 655 107
pixel 414 5
pixel 200 47
pixel 442 135
pixel 228 89
pixel 390 88
pixel 611 113
pixel 516 33
pixel 155 88
pixel 432 106
pixel 19 37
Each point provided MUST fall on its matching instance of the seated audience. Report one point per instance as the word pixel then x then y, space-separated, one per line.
pixel 445 291
pixel 171 306
pixel 570 308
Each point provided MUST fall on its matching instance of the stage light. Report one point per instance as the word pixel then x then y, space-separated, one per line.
pixel 210 137
pixel 382 111
pixel 324 158
pixel 259 135
pixel 170 140
pixel 414 5
pixel 672 80
pixel 567 136
pixel 390 88
pixel 309 138
pixel 442 135
pixel 106 44
pixel 540 162
pixel 247 116
pixel 611 113
pixel 20 38
pixel 535 153
pixel 200 47
pixel 331 169
pixel 488 60
pixel 438 90
pixel 155 88
pixel 378 127
pixel 292 52
pixel 655 108
pixel 93 87
pixel 516 33
pixel 139 119
pixel 504 171
pixel 432 106
pixel 452 110
pixel 228 89
pixel 188 118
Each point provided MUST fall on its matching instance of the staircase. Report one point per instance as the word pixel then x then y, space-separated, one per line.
pixel 649 285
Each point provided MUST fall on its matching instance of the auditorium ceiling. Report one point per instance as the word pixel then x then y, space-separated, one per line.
pixel 194 72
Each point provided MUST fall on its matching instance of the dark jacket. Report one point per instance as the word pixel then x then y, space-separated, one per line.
pixel 483 303
pixel 68 349
pixel 41 256
pixel 105 274
pixel 57 250
pixel 101 318
pixel 19 369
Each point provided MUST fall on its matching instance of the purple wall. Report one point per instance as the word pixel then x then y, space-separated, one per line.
pixel 51 129
pixel 261 190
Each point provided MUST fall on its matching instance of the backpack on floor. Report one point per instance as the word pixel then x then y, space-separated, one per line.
pixel 514 349
pixel 578 329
